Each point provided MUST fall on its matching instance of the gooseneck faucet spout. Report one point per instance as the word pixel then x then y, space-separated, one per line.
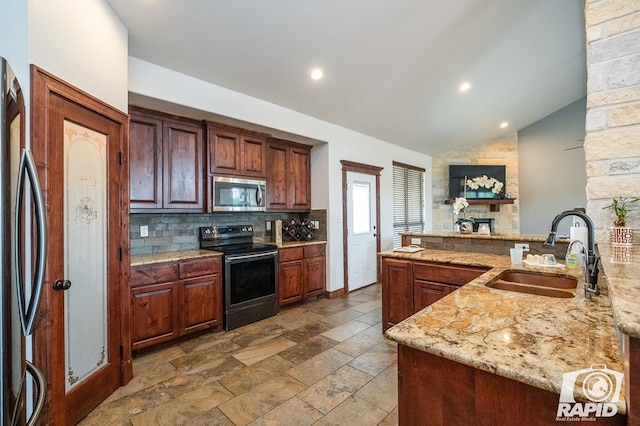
pixel 592 259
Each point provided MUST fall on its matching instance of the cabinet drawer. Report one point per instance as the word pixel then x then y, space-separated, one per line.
pixel 154 274
pixel 289 254
pixel 199 267
pixel 314 250
pixel 448 274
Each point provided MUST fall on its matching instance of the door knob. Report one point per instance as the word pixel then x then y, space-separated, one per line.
pixel 59 285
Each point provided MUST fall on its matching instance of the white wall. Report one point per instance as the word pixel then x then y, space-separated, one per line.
pixel 83 43
pixel 150 80
pixel 552 175
pixel 14 42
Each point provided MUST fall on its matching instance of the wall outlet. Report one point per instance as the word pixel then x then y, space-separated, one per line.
pixel 144 231
pixel 268 225
pixel 415 241
pixel 316 224
pixel 523 246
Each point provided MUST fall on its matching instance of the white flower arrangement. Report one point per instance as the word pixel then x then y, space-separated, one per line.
pixel 485 182
pixel 459 205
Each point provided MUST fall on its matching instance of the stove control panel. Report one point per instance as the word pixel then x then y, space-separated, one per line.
pixel 225 232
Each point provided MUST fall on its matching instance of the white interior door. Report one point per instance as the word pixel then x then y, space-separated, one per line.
pixel 361 238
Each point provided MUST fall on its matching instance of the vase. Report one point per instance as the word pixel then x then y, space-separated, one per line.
pixel 466 227
pixel 621 235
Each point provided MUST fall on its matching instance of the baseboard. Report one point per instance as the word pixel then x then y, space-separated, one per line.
pixel 334 294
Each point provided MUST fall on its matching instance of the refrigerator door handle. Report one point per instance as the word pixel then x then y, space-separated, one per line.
pixel 28 311
pixel 41 387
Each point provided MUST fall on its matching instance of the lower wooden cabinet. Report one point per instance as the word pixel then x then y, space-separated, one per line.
pixel 172 299
pixel 397 293
pixel 302 273
pixel 409 286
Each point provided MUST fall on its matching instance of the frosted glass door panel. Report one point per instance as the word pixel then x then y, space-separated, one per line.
pixel 85 248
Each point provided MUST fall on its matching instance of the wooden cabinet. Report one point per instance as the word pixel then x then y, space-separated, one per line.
pixel 315 270
pixel 165 163
pixel 425 293
pixel 410 286
pixel 288 176
pixel 172 299
pixel 290 275
pixel 437 391
pixel 397 294
pixel 301 273
pixel 236 152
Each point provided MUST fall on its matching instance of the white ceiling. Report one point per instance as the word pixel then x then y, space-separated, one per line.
pixel 392 67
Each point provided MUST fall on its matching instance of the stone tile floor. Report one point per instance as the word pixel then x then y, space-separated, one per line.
pixel 324 362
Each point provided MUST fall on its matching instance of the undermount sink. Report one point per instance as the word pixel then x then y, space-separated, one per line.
pixel 533 283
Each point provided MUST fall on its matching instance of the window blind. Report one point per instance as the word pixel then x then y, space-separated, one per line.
pixel 408 200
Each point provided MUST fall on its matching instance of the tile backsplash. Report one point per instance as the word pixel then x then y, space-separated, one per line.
pixel 179 231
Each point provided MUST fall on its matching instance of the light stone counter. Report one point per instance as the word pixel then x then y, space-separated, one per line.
pixel 146 259
pixel 289 244
pixel 527 338
pixel 621 267
pixel 474 235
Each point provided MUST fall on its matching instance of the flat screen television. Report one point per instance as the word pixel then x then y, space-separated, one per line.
pixel 457 174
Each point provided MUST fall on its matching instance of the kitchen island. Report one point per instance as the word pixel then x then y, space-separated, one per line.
pixel 487 356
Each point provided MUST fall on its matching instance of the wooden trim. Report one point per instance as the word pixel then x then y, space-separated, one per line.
pixel 164 116
pixel 334 294
pixel 350 166
pixel 493 203
pixel 234 129
pixel 284 142
pixel 408 166
pixel 44 88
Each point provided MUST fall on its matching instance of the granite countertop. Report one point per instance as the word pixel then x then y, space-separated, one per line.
pixel 147 259
pixel 621 267
pixel 527 338
pixel 496 236
pixel 288 244
pixel 171 256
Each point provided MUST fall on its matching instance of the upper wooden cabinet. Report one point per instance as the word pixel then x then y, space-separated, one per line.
pixel 165 162
pixel 288 176
pixel 234 151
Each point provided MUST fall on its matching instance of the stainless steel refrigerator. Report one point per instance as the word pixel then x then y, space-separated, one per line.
pixel 22 260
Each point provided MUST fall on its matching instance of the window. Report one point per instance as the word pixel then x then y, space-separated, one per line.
pixel 408 200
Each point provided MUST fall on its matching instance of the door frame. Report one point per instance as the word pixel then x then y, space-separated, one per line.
pixel 351 166
pixel 44 87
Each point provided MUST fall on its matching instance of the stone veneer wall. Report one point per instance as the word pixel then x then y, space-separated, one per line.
pixel 502 151
pixel 179 231
pixel 612 143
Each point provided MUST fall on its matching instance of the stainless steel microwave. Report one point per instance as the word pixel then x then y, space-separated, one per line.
pixel 238 195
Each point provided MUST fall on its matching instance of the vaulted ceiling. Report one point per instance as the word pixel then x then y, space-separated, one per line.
pixel 392 68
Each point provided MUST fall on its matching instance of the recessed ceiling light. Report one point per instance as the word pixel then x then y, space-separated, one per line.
pixel 504 124
pixel 316 74
pixel 465 86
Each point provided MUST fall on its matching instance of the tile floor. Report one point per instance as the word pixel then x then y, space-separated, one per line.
pixel 324 362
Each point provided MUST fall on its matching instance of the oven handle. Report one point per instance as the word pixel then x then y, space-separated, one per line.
pixel 250 256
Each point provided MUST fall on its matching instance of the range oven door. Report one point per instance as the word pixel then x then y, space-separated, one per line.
pixel 250 287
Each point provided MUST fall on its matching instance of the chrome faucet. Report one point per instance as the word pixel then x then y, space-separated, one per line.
pixel 591 264
pixel 588 291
